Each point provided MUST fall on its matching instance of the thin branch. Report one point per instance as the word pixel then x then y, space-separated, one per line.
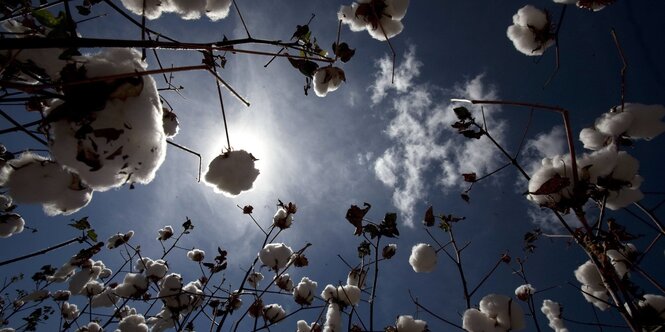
pixel 415 301
pixel 79 239
pixel 241 19
pixel 623 68
pixel 23 129
pixel 190 151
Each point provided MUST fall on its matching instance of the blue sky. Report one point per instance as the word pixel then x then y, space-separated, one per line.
pixel 390 145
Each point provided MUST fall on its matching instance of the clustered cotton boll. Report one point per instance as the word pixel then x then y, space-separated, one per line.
pixel 635 121
pixel 163 321
pixel 61 295
pixel 327 79
pixel 593 288
pixel 381 18
pixel 133 323
pixel 10 224
pixel 254 278
pixel 196 255
pixel 608 172
pixel 304 291
pixel 531 31
pixel 423 258
pixel 95 327
pixel 170 123
pixel 553 310
pixel 34 179
pixel 107 298
pixel 232 172
pixel 357 277
pixel 275 255
pixel 524 292
pixel 302 326
pixel 497 313
pixel 283 218
pixel 119 239
pixel 406 323
pixel 109 132
pixel 345 295
pixel 333 318
pixel 165 233
pixel 69 311
pixel 187 9
pixel 273 313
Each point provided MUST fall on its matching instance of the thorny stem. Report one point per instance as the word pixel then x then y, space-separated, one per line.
pixel 79 239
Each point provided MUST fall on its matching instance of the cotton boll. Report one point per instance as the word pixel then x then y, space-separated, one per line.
pixel 284 282
pixel 282 218
pixel 36 296
pixel 254 278
pixel 524 292
pixel 165 233
pixel 273 313
pixel 593 139
pixel 327 79
pixel 396 8
pixel 476 321
pixel 162 321
pixel 69 311
pixel 619 261
pixel 647 120
pixel 302 326
pixel 133 323
pixel 656 302
pixel 232 172
pixel 153 8
pixel 189 9
pixel 406 323
pixel 593 288
pixel 34 179
pixel 388 28
pixel 388 24
pixel 92 288
pixel 107 298
pixel 170 123
pixel 507 313
pixel 600 163
pixel 333 319
pixel 133 286
pixel 552 168
pixel 348 16
pixel 357 277
pixel 614 123
pixel 304 292
pixel 349 294
pixel 423 258
pixel 92 327
pixel 11 224
pixel 196 255
pixel 620 199
pixel 217 9
pixel 122 143
pixel 530 32
pixel 275 255
pixel 552 310
pixel 329 293
pixel 626 167
pixel 5 202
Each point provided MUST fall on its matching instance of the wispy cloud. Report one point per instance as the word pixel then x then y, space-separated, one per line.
pixel 424 143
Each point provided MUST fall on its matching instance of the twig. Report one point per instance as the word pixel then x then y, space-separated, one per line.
pixel 241 19
pixel 190 151
pixel 23 129
pixel 79 239
pixel 623 68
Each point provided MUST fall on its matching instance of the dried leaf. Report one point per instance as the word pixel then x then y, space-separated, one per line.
pixel 355 216
pixel 469 177
pixel 429 217
pixel 553 185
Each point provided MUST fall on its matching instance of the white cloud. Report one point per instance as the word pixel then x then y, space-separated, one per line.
pixel 424 141
pixel 405 72
pixel 546 144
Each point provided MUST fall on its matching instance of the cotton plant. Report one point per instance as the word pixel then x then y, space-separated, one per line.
pixel 495 313
pixel 232 172
pixel 531 32
pixel 170 123
pixel 186 9
pixel 381 18
pixel 34 179
pixel 108 132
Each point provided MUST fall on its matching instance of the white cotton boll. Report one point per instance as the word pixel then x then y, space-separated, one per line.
pixel 91 327
pixel 559 166
pixel 162 321
pixel 11 224
pixel 647 120
pixel 507 313
pixel 406 323
pixel 122 143
pixel 154 270
pixel 61 295
pixel 329 292
pixel 133 286
pixel 254 278
pixel 82 277
pixel 273 313
pixel 626 167
pixel 196 255
pixel 593 139
pixel 423 258
pixel 5 202
pixel 37 295
pixel 153 8
pixel 63 273
pixel 69 311
pixel 349 294
pixel 530 31
pixel 656 302
pixel 34 179
pixel 593 289
pixel 357 277
pixel 333 319
pixel 524 292
pixel 387 28
pixel 476 321
pixel 107 298
pixel 104 271
pixel 302 326
pixel 396 8
pixel 133 323
pixel 275 255
pixel 348 16
pixel 189 9
pixel 217 9
pixel 282 218
pixel 304 292
pixel 165 233
pixel 624 197
pixel 599 163
pixel 284 282
pixel 327 79
pixel 170 123
pixel 232 172
pixel 619 261
pixel 193 294
pixel 552 310
pixel 170 288
pixel 118 239
pixel 92 288
pixel 614 123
